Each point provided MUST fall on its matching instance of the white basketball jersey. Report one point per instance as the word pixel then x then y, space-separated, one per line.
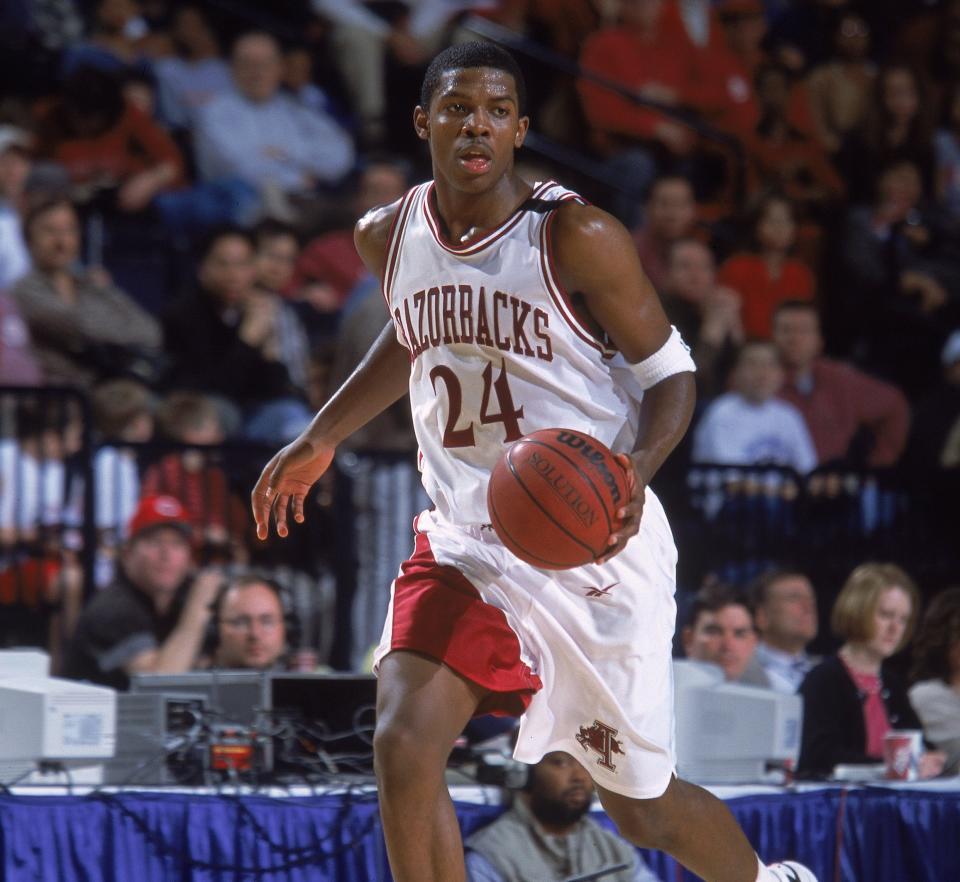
pixel 497 350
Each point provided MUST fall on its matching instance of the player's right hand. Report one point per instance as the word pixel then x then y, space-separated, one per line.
pixel 288 478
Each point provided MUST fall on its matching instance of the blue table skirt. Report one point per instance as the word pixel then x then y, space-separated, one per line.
pixel 860 835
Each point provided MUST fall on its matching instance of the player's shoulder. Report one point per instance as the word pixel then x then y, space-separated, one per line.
pixel 579 225
pixel 371 234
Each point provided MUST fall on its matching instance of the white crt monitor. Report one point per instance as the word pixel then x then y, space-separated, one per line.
pixel 46 718
pixel 726 732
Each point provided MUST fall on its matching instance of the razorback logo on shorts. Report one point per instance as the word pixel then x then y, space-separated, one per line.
pixel 599 738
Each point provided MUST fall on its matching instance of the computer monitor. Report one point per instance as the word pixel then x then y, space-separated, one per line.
pixel 230 697
pixel 335 714
pixel 728 733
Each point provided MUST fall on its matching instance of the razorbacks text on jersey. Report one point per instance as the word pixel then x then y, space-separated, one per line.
pixel 496 346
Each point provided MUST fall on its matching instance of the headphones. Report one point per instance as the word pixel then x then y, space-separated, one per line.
pixel 248 578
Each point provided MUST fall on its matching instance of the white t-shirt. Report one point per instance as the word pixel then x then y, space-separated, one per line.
pixel 734 431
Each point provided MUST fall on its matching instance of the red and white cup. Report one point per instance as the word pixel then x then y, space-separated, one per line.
pixel 901 754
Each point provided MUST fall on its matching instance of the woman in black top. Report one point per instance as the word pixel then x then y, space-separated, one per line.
pixel 852 699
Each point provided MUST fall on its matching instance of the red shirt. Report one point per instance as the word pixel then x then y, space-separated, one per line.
pixel 760 293
pixel 331 258
pixel 135 144
pixel 874 711
pixel 620 55
pixel 838 400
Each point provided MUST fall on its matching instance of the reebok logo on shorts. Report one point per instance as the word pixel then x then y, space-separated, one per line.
pixel 593 593
pixel 599 738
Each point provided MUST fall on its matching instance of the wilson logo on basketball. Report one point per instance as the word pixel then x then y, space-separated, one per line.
pixel 594 457
pixel 585 512
pixel 599 738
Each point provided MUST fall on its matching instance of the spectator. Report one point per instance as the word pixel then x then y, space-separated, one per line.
pixel 154 616
pixel 215 512
pixel 116 44
pixel 276 254
pixel 329 267
pixel 898 128
pixel 785 613
pixel 895 278
pixel 801 34
pixel 930 43
pixel 947 146
pixel 222 339
pixel 768 275
pixel 257 133
pixel 362 41
pixel 706 313
pixel 83 326
pixel 935 438
pixel 749 425
pixel 14 171
pixel 123 411
pixel 839 403
pixel 545 834
pixel 276 251
pixel 840 87
pixel 852 699
pixel 670 214
pixel 298 80
pixel 745 29
pixel 721 631
pixel 189 80
pixel 723 83
pixel 251 625
pixel 108 145
pixel 784 154
pixel 935 694
pixel 649 54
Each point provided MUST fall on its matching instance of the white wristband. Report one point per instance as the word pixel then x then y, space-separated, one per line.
pixel 671 358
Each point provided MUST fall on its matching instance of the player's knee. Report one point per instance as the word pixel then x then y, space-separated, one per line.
pixel 401 749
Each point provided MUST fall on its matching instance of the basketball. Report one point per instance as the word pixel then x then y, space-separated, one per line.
pixel 553 498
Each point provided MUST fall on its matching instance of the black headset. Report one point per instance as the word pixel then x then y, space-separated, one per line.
pixel 291 621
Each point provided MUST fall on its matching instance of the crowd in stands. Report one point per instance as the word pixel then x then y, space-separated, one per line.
pixel 178 188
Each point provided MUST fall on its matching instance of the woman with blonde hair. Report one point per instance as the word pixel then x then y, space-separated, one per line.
pixel 852 699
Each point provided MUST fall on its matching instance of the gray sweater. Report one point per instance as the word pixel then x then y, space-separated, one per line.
pixel 517 849
pixel 64 333
pixel 938 707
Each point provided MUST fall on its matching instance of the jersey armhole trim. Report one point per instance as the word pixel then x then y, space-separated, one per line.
pixel 394 238
pixel 558 293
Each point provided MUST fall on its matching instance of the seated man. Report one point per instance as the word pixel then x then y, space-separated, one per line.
pixel 670 214
pixel 749 425
pixel 705 312
pixel 838 402
pixel 83 326
pixel 785 613
pixel 153 617
pixel 545 834
pixel 263 136
pixel 721 631
pixel 251 625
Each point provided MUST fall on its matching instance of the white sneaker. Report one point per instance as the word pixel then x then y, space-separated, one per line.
pixel 791 871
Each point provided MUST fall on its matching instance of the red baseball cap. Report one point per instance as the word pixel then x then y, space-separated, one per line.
pixel 159 511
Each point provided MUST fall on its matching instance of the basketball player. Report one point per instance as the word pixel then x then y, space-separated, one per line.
pixel 514 309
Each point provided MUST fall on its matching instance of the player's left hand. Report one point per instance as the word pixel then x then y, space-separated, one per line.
pixel 629 514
